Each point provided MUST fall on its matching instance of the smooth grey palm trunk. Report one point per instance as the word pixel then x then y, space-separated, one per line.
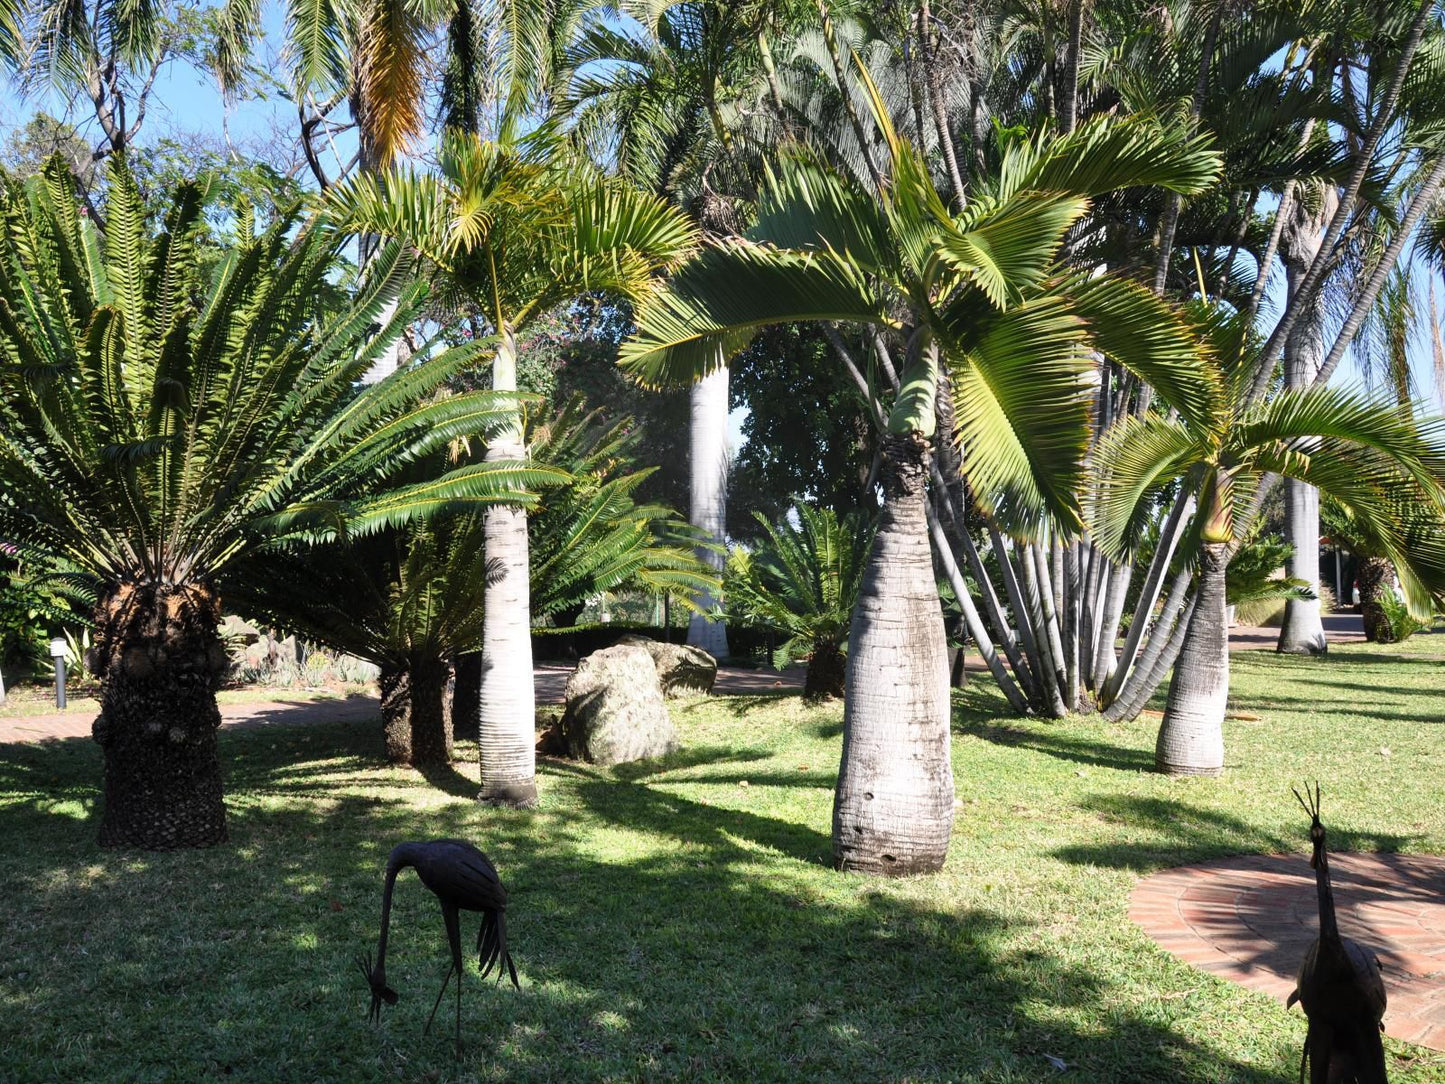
pixel 893 810
pixel 1302 632
pixel 1191 737
pixel 709 469
pixel 507 717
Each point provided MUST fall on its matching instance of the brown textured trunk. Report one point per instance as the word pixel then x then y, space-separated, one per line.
pixel 160 661
pixel 827 669
pixel 467 697
pixel 431 714
pixel 1374 580
pixel 893 810
pixel 395 684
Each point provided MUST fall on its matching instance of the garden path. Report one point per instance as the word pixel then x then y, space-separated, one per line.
pixel 1250 918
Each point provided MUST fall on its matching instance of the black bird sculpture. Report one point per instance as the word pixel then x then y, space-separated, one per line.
pixel 1339 986
pixel 463 879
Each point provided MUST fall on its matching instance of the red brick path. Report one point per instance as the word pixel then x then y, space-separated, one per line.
pixel 1250 918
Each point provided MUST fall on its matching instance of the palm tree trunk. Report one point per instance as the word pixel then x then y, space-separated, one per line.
pixel 508 716
pixel 1302 632
pixel 395 682
pixel 1374 579
pixel 709 455
pixel 1191 738
pixel 160 661
pixel 893 811
pixel 431 714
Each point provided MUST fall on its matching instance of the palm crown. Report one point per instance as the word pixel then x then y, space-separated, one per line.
pixel 981 286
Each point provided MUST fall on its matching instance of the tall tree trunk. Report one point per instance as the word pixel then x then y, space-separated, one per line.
pixel 1302 632
pixel 160 661
pixel 893 811
pixel 467 697
pixel 508 719
pixel 1374 575
pixel 431 714
pixel 709 454
pixel 1191 738
pixel 395 682
pixel 827 671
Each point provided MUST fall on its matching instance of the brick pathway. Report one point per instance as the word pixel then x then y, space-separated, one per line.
pixel 1250 918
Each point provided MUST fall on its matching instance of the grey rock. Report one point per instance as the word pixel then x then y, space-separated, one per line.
pixel 682 671
pixel 615 712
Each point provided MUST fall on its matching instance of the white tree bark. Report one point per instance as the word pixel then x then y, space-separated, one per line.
pixel 709 453
pixel 1191 738
pixel 508 715
pixel 1302 632
pixel 893 810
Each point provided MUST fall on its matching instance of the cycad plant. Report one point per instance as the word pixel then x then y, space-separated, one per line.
pixel 407 599
pixel 512 230
pixel 976 291
pixel 802 583
pixel 589 534
pixel 159 421
pixel 1374 461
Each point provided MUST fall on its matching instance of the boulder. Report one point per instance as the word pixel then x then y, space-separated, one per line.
pixel 615 712
pixel 681 670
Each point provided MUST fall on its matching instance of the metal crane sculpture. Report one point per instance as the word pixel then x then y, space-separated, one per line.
pixel 1339 987
pixel 463 879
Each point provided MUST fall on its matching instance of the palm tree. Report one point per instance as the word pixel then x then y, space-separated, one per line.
pixel 802 582
pixel 1374 461
pixel 973 291
pixel 158 422
pixel 515 228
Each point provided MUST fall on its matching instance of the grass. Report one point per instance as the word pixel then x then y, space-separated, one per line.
pixel 678 920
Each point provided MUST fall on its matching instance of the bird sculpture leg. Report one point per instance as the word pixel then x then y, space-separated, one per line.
pixel 454 941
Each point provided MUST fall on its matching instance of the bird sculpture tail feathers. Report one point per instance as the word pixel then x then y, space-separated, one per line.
pixel 1345 1052
pixel 492 947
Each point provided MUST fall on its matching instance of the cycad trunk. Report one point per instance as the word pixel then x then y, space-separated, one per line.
pixel 893 812
pixel 467 698
pixel 1191 738
pixel 709 460
pixel 395 682
pixel 827 672
pixel 431 714
pixel 508 717
pixel 160 661
pixel 1374 579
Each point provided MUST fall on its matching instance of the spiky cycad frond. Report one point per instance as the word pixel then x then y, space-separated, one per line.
pixel 157 420
pixel 802 581
pixel 590 534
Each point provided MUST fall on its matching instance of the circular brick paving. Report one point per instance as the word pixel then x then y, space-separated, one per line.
pixel 1250 918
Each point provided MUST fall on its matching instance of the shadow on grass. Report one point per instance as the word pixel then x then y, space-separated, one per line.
pixel 1080 750
pixel 1182 833
pixel 658 938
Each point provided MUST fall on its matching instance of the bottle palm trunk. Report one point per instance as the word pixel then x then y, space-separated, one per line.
pixel 709 457
pixel 160 661
pixel 1191 738
pixel 507 721
pixel 893 811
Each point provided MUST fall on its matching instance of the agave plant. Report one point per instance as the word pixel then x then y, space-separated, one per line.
pixel 802 583
pixel 159 421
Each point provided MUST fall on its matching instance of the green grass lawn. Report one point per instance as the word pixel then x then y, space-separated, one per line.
pixel 680 920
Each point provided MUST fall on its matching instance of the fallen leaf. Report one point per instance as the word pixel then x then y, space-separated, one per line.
pixel 1384 750
pixel 336 905
pixel 1058 1063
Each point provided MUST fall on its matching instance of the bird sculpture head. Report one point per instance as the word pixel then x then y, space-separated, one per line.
pixel 380 991
pixel 1310 803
